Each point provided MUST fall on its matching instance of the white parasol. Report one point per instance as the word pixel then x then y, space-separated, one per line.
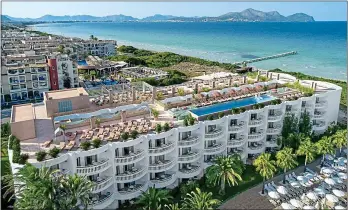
pixel 312 195
pixel 331 198
pixel 296 203
pixel 282 190
pixel 330 181
pixel 338 193
pixel 274 195
pixel 287 206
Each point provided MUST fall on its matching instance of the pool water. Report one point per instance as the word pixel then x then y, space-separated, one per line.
pixel 221 107
pixel 82 63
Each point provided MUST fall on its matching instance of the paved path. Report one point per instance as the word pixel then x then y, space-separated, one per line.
pixel 251 199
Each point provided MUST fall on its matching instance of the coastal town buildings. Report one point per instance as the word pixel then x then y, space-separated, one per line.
pixel 124 166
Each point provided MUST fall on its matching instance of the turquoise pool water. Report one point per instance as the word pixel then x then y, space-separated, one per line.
pixel 221 107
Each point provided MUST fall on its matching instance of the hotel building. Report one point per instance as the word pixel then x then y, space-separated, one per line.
pixel 122 168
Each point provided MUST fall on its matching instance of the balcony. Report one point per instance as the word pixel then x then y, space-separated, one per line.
pixel 163 180
pixel 131 175
pixel 93 168
pixel 272 131
pixel 102 184
pixel 192 140
pixel 307 106
pixel 271 143
pixel 214 134
pixel 132 157
pixel 256 121
pixel 162 149
pixel 101 201
pixel 255 136
pixel 319 115
pixel 191 156
pixel 161 165
pixel 236 128
pixel 236 152
pixel 319 126
pixel 275 117
pixel 132 191
pixel 236 142
pixel 214 149
pixel 189 171
pixel 256 149
pixel 320 104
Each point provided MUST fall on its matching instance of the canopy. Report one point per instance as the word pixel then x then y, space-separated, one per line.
pixel 330 181
pixel 296 203
pixel 331 198
pixel 282 190
pixel 308 207
pixel 295 184
pixel 338 193
pixel 287 206
pixel 274 195
pixel 312 195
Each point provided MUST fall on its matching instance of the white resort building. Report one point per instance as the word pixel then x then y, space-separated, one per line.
pixel 123 167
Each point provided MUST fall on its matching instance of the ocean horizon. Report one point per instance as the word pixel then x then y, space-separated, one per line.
pixel 321 46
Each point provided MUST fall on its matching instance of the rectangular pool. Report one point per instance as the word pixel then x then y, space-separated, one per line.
pixel 221 107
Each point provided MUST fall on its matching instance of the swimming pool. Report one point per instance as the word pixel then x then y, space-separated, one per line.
pixel 221 107
pixel 82 63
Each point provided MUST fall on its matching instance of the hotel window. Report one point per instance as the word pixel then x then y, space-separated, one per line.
pixel 303 103
pixel 253 116
pixel 64 106
pixel 233 122
pixel 288 108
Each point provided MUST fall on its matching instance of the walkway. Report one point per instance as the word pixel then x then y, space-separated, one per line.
pixel 251 199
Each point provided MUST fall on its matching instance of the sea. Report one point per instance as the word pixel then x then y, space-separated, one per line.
pixel 321 46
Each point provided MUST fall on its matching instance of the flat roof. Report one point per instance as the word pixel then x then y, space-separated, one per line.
pixel 66 93
pixel 22 112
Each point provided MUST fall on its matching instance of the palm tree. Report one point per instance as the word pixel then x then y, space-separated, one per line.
pixel 63 127
pixel 153 199
pixel 266 167
pixel 198 200
pixel 225 169
pixel 91 37
pixel 324 146
pixel 97 122
pixel 286 160
pixel 340 139
pixel 174 206
pixel 308 149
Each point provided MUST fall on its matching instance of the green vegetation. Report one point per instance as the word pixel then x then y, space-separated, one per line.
pixel 54 152
pixel 266 167
pixel 125 136
pixel 166 127
pixel 16 147
pixel 340 139
pixel 158 128
pixel 96 142
pixel 162 59
pixel 154 199
pixel 155 113
pixel 174 77
pixel 324 146
pixel 296 85
pixel 342 84
pixel 85 145
pixel 199 200
pixel 40 155
pixel 307 149
pixel 286 160
pixel 134 134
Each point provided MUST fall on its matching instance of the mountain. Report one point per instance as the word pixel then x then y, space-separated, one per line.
pixel 4 18
pixel 248 15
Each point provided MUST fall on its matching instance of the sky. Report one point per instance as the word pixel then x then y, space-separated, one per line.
pixel 321 11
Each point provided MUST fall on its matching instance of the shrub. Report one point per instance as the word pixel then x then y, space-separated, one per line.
pixel 85 145
pixel 166 127
pixel 205 89
pixel 242 109
pixel 134 134
pixel 159 96
pixel 188 187
pixel 125 136
pixel 186 122
pixel 16 147
pixel 210 117
pixel 221 115
pixel 11 141
pixel 23 159
pixel 181 91
pixel 96 142
pixel 40 155
pixel 192 121
pixel 158 128
pixel 54 152
pixel 155 113
pixel 261 105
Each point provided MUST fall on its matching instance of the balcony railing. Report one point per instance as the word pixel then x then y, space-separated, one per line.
pixel 214 148
pixel 102 183
pixel 189 156
pixel 161 165
pixel 236 142
pixel 274 130
pixel 93 168
pixel 256 149
pixel 131 157
pixel 235 128
pixel 255 136
pixel 101 200
pixel 131 189
pixel 214 134
pixel 276 116
pixel 188 141
pixel 318 125
pixel 190 169
pixel 256 121
pixel 320 104
pixel 131 174
pixel 318 115
pixel 240 152
pixel 162 148
pixel 161 179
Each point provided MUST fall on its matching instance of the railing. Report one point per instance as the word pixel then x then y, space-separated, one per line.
pixel 236 142
pixel 95 167
pixel 214 148
pixel 102 183
pixel 164 179
pixel 256 121
pixel 320 125
pixel 271 143
pixel 132 189
pixel 191 170
pixel 163 148
pixel 256 148
pixel 273 130
pixel 319 115
pixel 234 128
pixel 161 166
pixel 98 202
pixel 235 153
pixel 276 116
pixel 130 175
pixel 131 157
pixel 320 104
pixel 188 157
pixel 255 136
pixel 189 141
pixel 214 134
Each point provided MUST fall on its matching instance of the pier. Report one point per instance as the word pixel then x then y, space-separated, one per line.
pixel 267 58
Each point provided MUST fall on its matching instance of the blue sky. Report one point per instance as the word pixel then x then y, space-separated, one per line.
pixel 321 11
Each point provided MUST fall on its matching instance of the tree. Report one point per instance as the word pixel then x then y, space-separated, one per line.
pixel 198 200
pixel 266 167
pixel 155 113
pixel 54 152
pixel 186 122
pixel 286 160
pixel 305 124
pixel 134 134
pixel 85 145
pixel 181 91
pixel 166 127
pixel 125 136
pixel 188 187
pixel 225 169
pixel 340 139
pixel 97 122
pixel 324 146
pixel 153 199
pixel 91 37
pixel 307 148
pixel 63 127
pixel 60 48
pixel 96 142
pixel 158 128
pixel 174 206
pixel 68 51
pixel 290 125
pixel 67 82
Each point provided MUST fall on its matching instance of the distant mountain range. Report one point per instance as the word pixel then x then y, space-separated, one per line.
pixel 248 15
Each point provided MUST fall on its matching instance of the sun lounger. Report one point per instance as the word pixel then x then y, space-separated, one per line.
pixel 62 145
pixel 70 145
pixel 73 136
pixel 47 143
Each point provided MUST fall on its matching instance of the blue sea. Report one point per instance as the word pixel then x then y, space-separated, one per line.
pixel 321 46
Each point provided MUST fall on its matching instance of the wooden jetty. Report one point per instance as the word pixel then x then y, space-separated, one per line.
pixel 267 58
